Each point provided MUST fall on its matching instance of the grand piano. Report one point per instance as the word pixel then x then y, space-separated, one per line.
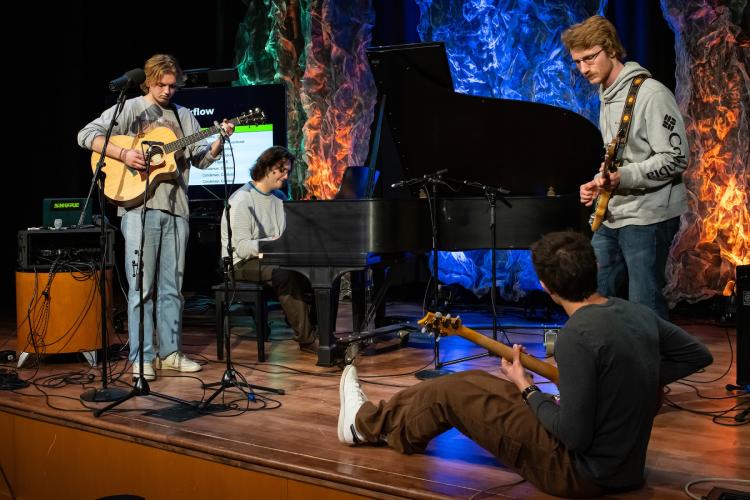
pixel 539 153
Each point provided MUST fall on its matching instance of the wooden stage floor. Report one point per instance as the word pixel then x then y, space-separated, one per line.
pixel 292 437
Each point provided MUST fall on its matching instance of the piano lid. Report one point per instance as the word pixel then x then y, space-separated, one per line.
pixel 525 147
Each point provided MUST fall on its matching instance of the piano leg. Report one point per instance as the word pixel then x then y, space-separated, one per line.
pixel 326 307
pixel 359 312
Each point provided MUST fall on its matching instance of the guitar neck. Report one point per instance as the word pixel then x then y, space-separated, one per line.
pixel 546 370
pixel 192 138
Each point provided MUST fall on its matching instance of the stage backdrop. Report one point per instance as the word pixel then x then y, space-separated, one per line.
pixel 511 49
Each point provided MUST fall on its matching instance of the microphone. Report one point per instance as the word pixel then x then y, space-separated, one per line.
pixel 131 78
pixel 409 182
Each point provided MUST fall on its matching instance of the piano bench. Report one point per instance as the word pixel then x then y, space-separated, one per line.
pixel 243 291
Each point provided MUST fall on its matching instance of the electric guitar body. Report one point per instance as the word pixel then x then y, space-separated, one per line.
pixel 611 161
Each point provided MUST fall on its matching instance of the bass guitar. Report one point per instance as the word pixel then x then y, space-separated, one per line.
pixel 124 186
pixel 611 163
pixel 438 324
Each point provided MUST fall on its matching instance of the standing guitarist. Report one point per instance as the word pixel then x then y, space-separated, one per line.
pixel 166 226
pixel 647 192
pixel 613 358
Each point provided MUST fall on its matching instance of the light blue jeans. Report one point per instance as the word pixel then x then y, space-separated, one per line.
pixel 638 253
pixel 165 242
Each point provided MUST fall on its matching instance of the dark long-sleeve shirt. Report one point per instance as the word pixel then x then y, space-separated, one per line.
pixel 613 360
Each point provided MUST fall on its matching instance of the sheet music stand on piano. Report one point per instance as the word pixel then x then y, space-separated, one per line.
pixel 355 185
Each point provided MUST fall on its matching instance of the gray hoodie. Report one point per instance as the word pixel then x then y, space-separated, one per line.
pixel 651 188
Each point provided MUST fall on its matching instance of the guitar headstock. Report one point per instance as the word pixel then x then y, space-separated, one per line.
pixel 252 117
pixel 437 324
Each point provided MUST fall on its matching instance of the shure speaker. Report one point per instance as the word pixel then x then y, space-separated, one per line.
pixel 743 324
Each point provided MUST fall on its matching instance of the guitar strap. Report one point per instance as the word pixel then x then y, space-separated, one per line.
pixel 627 115
pixel 177 117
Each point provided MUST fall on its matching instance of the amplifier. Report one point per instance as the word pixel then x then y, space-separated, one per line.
pixel 39 248
pixel 743 324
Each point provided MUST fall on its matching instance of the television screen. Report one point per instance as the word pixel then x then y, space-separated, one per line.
pixel 248 141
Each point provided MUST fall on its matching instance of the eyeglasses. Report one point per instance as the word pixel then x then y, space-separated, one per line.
pixel 587 59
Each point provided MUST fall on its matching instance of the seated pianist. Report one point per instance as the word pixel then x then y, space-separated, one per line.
pixel 256 213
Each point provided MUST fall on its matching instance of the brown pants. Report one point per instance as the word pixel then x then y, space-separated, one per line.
pixel 290 287
pixel 487 409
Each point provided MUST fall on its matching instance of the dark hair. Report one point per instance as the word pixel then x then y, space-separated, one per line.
pixel 270 159
pixel 596 30
pixel 565 262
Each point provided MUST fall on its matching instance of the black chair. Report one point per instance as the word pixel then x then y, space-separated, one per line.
pixel 243 291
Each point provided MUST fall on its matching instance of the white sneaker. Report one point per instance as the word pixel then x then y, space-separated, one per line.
pixel 179 362
pixel 148 370
pixel 351 399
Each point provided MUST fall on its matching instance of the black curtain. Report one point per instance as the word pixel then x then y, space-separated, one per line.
pixel 54 90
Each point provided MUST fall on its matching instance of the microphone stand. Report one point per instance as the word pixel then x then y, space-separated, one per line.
pixel 432 196
pixel 492 194
pixel 230 377
pixel 140 385
pixel 105 393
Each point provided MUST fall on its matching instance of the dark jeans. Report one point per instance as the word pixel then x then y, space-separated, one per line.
pixel 487 409
pixel 290 287
pixel 640 254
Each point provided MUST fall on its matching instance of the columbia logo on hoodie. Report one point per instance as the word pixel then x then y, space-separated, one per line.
pixel 669 122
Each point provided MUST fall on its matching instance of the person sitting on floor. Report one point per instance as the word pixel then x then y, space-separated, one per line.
pixel 613 357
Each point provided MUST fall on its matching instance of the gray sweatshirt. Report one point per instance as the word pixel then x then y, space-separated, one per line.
pixel 140 116
pixel 254 216
pixel 651 188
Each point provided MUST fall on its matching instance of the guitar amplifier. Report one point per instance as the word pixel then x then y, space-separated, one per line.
pixel 38 249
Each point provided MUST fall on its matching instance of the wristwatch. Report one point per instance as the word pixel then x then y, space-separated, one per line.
pixel 527 392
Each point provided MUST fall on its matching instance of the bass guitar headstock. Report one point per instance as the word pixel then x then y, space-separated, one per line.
pixel 437 324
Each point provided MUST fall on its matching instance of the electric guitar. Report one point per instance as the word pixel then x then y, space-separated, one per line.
pixel 445 325
pixel 611 163
pixel 124 186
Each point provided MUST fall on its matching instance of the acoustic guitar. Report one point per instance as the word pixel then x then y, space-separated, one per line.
pixel 611 163
pixel 445 325
pixel 125 186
